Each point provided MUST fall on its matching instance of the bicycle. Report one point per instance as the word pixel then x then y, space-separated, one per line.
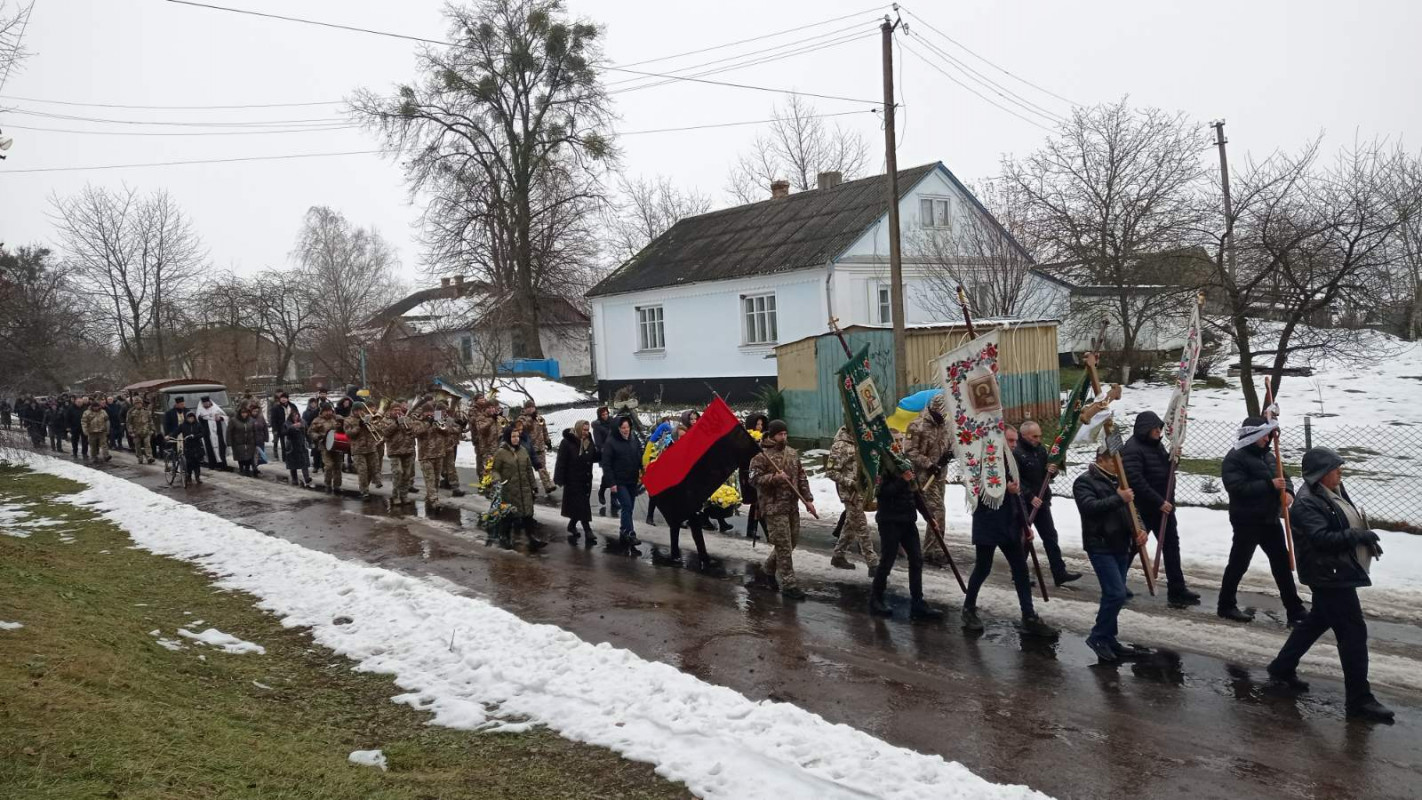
pixel 173 462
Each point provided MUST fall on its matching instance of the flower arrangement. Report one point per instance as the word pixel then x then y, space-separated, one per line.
pixel 756 434
pixel 725 497
pixel 487 482
pixel 498 509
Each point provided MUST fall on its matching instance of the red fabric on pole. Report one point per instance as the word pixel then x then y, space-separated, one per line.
pixel 673 465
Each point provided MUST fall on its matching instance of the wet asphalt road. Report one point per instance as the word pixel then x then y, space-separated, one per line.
pixel 1012 709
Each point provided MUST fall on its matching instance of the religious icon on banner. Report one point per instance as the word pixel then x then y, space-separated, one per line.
pixel 869 401
pixel 984 395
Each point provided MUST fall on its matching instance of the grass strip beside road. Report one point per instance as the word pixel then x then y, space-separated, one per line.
pixel 93 707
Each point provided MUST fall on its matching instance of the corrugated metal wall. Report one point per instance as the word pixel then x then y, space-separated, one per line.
pixel 1028 372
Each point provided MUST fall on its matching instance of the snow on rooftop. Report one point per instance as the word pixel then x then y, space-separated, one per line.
pixel 544 391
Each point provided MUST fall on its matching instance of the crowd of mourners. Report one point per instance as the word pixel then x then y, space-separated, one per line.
pixel 1333 545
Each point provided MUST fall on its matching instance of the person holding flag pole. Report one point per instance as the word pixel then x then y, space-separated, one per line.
pixel 1177 417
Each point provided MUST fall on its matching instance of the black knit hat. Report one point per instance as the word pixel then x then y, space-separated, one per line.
pixel 776 426
pixel 1318 462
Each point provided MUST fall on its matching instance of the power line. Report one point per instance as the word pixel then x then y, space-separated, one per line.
pixel 183 163
pixel 987 83
pixel 172 108
pixel 856 37
pixel 312 129
pixel 984 98
pixel 183 123
pixel 755 53
pixel 739 124
pixel 355 29
pixel 754 38
pixel 983 59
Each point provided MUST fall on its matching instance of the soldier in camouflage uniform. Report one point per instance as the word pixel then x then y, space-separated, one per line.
pixel 95 423
pixel 324 423
pixel 929 449
pixel 536 429
pixel 431 441
pixel 140 430
pixel 457 422
pixel 842 467
pixel 400 446
pixel 364 451
pixel 488 424
pixel 777 475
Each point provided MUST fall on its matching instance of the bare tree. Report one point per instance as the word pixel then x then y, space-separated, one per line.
pixel 1111 189
pixel 507 133
pixel 134 258
pixel 13 22
pixel 643 209
pixel 796 147
pixel 1402 284
pixel 990 256
pixel 282 307
pixel 349 276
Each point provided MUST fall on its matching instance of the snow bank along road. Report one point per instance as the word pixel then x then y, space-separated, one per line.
pixel 478 667
pixel 1012 710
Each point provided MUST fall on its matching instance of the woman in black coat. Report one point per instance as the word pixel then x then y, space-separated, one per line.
pixel 754 422
pixel 573 472
pixel 295 455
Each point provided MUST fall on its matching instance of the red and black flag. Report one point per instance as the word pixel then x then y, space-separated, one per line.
pixel 691 470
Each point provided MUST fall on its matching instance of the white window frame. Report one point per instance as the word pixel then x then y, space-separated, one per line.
pixel 881 303
pixel 940 214
pixel 651 329
pixel 759 319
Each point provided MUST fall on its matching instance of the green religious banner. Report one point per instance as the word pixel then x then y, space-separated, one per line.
pixel 1070 421
pixel 864 416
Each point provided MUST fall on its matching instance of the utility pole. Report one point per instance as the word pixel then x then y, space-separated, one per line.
pixel 896 267
pixel 1221 141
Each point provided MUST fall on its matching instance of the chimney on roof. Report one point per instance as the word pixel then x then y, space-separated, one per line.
pixel 458 280
pixel 779 189
pixel 444 283
pixel 829 180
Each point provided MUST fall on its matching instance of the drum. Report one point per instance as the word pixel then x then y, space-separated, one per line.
pixel 337 442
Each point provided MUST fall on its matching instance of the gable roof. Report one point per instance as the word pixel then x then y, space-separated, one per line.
pixel 806 229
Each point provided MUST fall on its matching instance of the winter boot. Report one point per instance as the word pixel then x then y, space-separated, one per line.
pixel 505 536
pixel 1103 650
pixel 1297 617
pixel 1182 597
pixel 971 620
pixel 922 611
pixel 840 562
pixel 588 539
pixel 458 493
pixel 1371 711
pixel 1129 652
pixel 878 607
pixel 1233 614
pixel 1290 681
pixel 793 593
pixel 444 483
pixel 1032 625
pixel 1063 578
pixel 724 526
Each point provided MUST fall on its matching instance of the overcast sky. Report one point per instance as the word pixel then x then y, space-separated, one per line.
pixel 1279 72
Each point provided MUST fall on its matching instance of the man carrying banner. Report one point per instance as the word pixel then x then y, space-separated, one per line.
pixel 897 519
pixel 1147 464
pixel 1038 472
pixel 1249 476
pixel 928 448
pixel 781 486
pixel 842 467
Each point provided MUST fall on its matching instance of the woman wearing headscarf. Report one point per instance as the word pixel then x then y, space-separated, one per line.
pixel 513 467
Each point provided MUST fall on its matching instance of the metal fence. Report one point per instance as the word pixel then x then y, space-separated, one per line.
pixel 1382 472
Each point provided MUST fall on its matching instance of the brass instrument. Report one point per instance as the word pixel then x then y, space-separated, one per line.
pixel 365 421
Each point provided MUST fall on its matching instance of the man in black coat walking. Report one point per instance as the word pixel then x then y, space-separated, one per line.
pixel 276 420
pixel 897 520
pixel 1108 535
pixel 173 417
pixel 1037 475
pixel 1250 476
pixel 1148 471
pixel 1334 550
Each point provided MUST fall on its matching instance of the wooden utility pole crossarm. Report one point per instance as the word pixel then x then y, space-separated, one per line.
pixel 896 267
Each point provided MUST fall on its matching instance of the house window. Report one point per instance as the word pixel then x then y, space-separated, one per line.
pixel 466 350
pixel 651 334
pixel 935 212
pixel 758 310
pixel 881 304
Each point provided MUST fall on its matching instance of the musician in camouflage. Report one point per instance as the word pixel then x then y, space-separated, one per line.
pixel 780 483
pixel 928 447
pixel 431 437
pixel 325 422
pixel 365 451
pixel 400 447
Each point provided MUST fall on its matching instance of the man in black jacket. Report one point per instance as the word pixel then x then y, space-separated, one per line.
pixel 1037 475
pixel 1108 536
pixel 1148 471
pixel 1334 550
pixel 173 417
pixel 1250 476
pixel 897 520
pixel 74 421
pixel 276 420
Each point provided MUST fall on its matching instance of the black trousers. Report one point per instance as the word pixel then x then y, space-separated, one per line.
pixel 1270 539
pixel 695 523
pixel 1174 575
pixel 1047 532
pixel 892 536
pixel 1337 610
pixel 1016 559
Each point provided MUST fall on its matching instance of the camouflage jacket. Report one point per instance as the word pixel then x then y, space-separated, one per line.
pixel 535 427
pixel 486 432
pixel 842 467
pixel 773 494
pixel 399 441
pixel 318 429
pixel 95 421
pixel 431 439
pixel 926 445
pixel 140 421
pixel 362 441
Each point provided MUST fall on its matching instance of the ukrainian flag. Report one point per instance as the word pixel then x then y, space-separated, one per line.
pixel 910 407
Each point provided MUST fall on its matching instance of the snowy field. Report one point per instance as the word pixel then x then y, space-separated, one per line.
pixel 477 667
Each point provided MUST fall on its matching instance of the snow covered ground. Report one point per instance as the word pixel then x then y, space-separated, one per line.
pixel 492 669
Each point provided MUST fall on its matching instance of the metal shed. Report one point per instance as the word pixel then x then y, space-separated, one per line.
pixel 806 367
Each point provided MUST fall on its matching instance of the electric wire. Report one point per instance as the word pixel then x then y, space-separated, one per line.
pixel 184 163
pixel 983 97
pixel 987 83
